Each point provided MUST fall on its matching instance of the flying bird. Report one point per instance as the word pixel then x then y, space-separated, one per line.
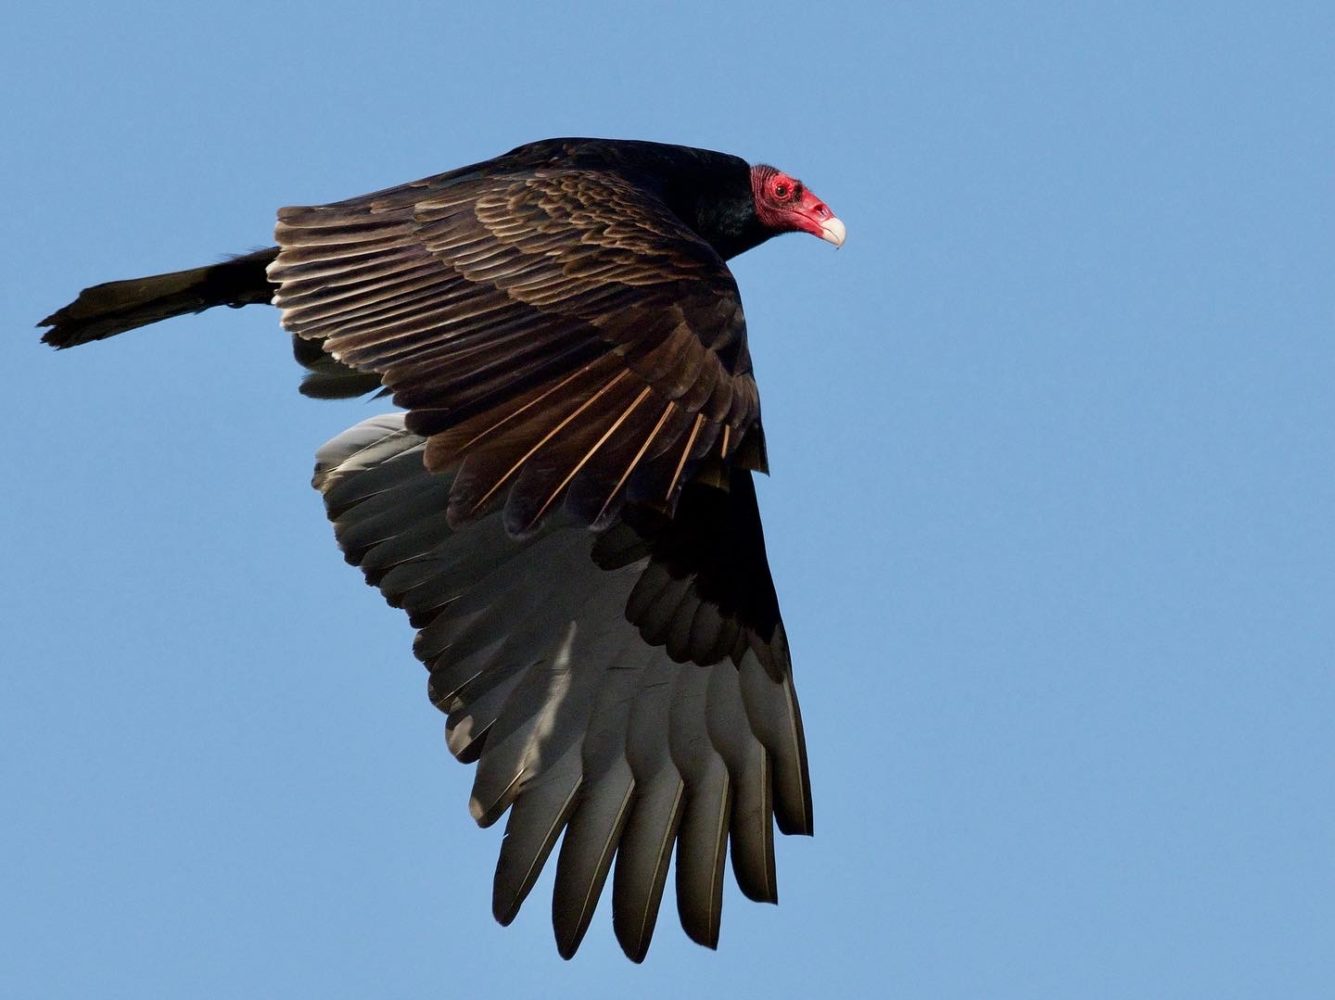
pixel 564 504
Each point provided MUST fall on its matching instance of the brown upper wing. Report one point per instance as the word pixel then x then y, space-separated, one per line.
pixel 559 335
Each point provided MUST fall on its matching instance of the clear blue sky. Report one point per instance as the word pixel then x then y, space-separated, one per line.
pixel 1052 514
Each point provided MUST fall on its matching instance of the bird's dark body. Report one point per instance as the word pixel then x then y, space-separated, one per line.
pixel 710 191
pixel 569 346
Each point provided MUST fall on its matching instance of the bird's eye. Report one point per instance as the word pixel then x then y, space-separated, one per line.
pixel 782 190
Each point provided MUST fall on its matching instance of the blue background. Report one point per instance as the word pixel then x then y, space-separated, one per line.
pixel 1051 512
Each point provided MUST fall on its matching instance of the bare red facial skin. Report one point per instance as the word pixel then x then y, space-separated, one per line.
pixel 784 204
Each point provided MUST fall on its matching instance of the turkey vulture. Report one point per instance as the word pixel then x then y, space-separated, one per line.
pixel 564 507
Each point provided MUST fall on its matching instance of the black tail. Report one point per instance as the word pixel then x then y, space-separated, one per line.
pixel 106 310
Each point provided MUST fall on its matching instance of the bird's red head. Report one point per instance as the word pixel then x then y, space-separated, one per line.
pixel 785 205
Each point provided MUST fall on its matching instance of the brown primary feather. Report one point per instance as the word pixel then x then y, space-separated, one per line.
pixel 528 321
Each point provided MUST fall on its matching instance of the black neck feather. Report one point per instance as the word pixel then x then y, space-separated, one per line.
pixel 709 191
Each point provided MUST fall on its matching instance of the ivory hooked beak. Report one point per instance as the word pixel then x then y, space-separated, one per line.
pixel 832 231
